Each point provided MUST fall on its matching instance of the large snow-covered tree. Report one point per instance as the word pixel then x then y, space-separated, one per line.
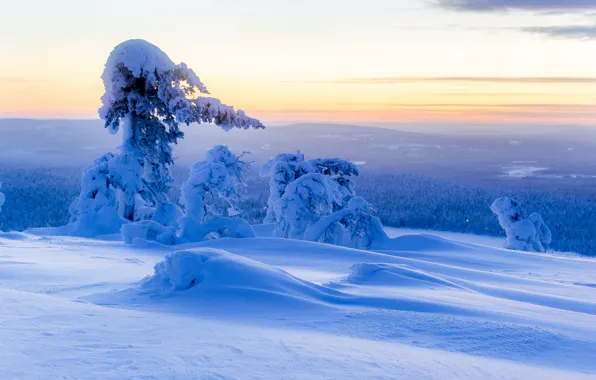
pixel 149 97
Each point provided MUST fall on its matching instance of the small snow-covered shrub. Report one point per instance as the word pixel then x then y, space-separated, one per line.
pixel 531 234
pixel 95 211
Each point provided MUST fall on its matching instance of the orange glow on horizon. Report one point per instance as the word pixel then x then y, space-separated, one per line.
pixel 279 101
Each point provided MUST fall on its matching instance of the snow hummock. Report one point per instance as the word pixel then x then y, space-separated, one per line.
pixel 215 273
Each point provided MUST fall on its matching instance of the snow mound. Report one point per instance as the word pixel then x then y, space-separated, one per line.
pixel 395 275
pixel 422 242
pixel 219 276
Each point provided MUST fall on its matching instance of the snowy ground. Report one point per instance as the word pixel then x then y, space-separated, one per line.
pixel 429 308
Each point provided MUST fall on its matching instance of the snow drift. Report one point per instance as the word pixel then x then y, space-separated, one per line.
pixel 395 275
pixel 219 276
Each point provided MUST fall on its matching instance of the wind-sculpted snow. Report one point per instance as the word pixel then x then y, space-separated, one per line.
pixel 395 275
pixel 424 307
pixel 210 275
pixel 421 242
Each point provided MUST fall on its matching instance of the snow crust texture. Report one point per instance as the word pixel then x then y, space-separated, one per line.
pixel 423 307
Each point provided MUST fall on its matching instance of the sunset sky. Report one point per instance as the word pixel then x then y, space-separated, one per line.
pixel 324 60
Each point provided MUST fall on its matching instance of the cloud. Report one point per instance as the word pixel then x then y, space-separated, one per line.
pixel 358 112
pixel 554 107
pixel 529 5
pixel 551 108
pixel 523 80
pixel 587 32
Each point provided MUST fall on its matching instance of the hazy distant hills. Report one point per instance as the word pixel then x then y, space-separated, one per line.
pixel 554 152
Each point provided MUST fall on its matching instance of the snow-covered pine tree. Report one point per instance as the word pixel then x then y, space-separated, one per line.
pixel 304 202
pixel 95 211
pixel 282 170
pixel 508 211
pixel 211 190
pixel 150 96
pixel 341 172
pixel 285 168
pixel 522 234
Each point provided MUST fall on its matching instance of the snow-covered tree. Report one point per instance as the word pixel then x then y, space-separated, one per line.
pixel 286 168
pixel 211 190
pixel 341 172
pixel 95 211
pixel 150 96
pixel 522 233
pixel 282 170
pixel 508 211
pixel 304 202
pixel 299 194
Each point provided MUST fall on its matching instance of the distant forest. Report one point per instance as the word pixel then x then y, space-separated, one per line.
pixel 41 197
